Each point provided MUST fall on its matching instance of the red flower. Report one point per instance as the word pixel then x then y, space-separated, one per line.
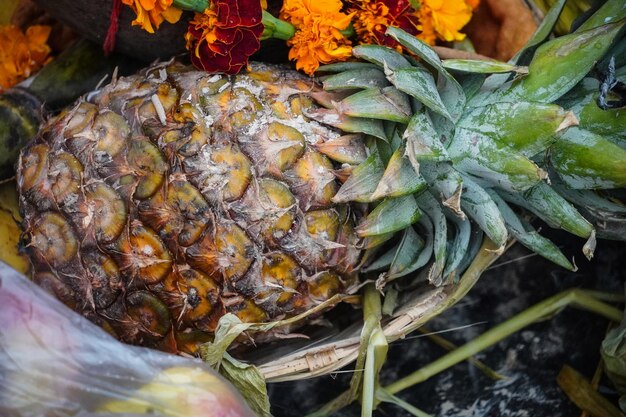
pixel 223 37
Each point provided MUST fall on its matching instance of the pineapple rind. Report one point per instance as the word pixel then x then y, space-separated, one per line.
pixel 172 197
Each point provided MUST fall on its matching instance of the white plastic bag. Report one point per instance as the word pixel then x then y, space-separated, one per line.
pixel 55 363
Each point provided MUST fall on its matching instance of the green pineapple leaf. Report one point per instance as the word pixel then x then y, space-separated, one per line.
pixel 391 215
pixel 482 67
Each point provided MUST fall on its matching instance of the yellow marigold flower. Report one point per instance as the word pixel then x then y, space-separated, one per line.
pixel 318 38
pixel 447 17
pixel 22 54
pixel 151 13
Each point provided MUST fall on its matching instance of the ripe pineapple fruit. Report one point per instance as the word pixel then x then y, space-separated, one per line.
pixel 173 196
pixel 168 198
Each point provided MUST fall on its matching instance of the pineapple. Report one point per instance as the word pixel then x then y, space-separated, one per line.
pixel 169 198
pixel 172 197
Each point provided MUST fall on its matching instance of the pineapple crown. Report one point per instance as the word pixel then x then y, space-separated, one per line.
pixel 457 146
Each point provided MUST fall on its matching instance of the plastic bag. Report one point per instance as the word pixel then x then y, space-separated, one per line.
pixel 55 363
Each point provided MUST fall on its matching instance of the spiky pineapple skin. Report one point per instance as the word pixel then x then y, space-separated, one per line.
pixel 169 198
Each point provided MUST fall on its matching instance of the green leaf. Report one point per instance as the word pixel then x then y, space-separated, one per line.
pixel 363 181
pixel 359 78
pixel 528 236
pixel 377 348
pixel 553 209
pixel 427 231
pixel 399 178
pixel 419 83
pixel 589 200
pixel 347 66
pixel 391 215
pixel 611 11
pixel 541 34
pixel 458 247
pixel 375 103
pixel 557 212
pixel 508 124
pixel 228 329
pixel 610 123
pixel 348 124
pixel 479 206
pixel 373 350
pixel 416 46
pixel 448 183
pixel 561 63
pixel 381 262
pixel 406 255
pixel 471 84
pixel 381 56
pixel 585 160
pixel 431 207
pixel 423 142
pixel 482 67
pixel 385 396
pixel 451 92
pixel 477 237
pixel 249 382
pixel 614 356
pixel 375 241
pixel 479 155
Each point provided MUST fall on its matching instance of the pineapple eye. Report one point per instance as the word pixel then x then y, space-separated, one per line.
pixel 54 239
pixel 193 210
pixel 279 200
pixel 236 250
pixel 104 276
pixel 149 167
pixel 180 216
pixel 203 256
pixel 285 145
pixel 143 255
pixel 280 275
pixel 64 174
pixel 313 180
pixel 243 107
pixel 324 285
pixel 200 294
pixel 234 172
pixel 149 313
pixel 106 211
pixel 323 224
pixel 79 118
pixel 111 133
pixel 186 112
pixel 33 167
pixel 248 312
pixel 299 104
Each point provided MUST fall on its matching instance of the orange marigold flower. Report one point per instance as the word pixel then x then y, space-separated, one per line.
pixel 223 37
pixel 372 17
pixel 473 3
pixel 22 54
pixel 151 13
pixel 445 17
pixel 318 38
